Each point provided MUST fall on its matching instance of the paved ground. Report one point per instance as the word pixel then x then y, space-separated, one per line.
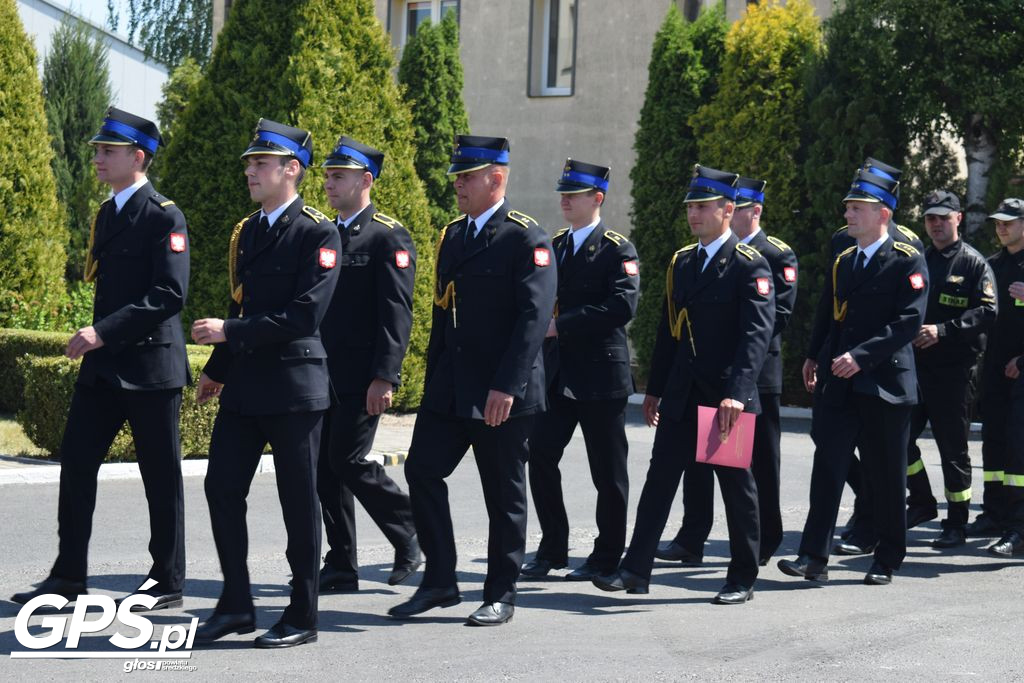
pixel 947 615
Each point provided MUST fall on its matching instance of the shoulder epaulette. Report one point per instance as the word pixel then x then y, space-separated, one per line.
pixel 907 232
pixel 521 218
pixel 386 220
pixel 839 230
pixel 615 237
pixel 688 247
pixel 560 233
pixel 747 251
pixel 453 222
pixel 907 249
pixel 778 244
pixel 846 252
pixel 162 202
pixel 314 214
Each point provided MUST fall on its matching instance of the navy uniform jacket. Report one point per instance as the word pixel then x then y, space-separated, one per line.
pixel 881 313
pixel 273 361
pixel 493 301
pixel 1006 339
pixel 841 241
pixel 142 257
pixel 597 294
pixel 961 303
pixel 366 329
pixel 714 330
pixel 784 267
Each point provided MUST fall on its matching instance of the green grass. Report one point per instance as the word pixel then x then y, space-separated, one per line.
pixel 13 440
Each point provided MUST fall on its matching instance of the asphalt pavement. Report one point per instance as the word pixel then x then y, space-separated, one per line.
pixel 947 615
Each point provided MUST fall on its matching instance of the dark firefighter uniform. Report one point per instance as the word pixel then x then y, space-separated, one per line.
pixel 589 382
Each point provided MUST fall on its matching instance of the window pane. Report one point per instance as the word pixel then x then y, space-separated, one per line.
pixel 449 6
pixel 561 36
pixel 416 14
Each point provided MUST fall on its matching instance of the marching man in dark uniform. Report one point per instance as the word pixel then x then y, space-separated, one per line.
pixel 269 368
pixel 864 382
pixel 711 343
pixel 133 362
pixel 494 295
pixel 1000 383
pixel 698 483
pixel 961 308
pixel 589 380
pixel 366 333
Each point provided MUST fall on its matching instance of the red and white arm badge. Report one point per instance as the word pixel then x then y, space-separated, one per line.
pixel 541 257
pixel 764 286
pixel 177 242
pixel 789 274
pixel 402 259
pixel 917 281
pixel 328 258
pixel 631 268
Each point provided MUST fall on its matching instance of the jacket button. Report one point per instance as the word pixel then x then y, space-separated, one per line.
pixel 305 352
pixel 458 349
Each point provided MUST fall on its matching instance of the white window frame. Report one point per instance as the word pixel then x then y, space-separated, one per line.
pixel 540 51
pixel 435 15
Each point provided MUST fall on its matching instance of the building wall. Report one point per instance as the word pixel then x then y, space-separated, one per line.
pixel 134 80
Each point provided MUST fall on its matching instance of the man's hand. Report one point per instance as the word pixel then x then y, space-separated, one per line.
pixel 650 409
pixel 1011 370
pixel 378 396
pixel 207 389
pixel 729 411
pixel 552 330
pixel 810 372
pixel 85 340
pixel 499 405
pixel 845 366
pixel 928 336
pixel 1017 290
pixel 208 331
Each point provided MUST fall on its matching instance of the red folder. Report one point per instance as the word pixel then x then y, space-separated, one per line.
pixel 737 448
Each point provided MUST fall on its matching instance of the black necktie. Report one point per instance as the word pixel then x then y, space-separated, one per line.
pixel 264 225
pixel 470 232
pixel 702 257
pixel 570 247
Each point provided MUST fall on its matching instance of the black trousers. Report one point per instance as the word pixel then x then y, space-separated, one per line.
pixel 699 488
pixel 996 429
pixel 945 395
pixel 439 443
pixel 235 449
pixel 675 450
pixel 879 430
pixel 97 413
pixel 1013 477
pixel 344 472
pixel 604 431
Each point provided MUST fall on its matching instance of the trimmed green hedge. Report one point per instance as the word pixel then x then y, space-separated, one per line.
pixel 17 344
pixel 50 381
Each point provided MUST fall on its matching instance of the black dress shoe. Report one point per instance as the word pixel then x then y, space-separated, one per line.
pixel 919 514
pixel 733 594
pixel 407 561
pixel 848 529
pixel 492 614
pixel 334 580
pixel 804 566
pixel 426 599
pixel 585 572
pixel 283 635
pixel 70 590
pixel 983 527
pixel 673 552
pixel 854 546
pixel 1009 545
pixel 763 562
pixel 164 599
pixel 878 575
pixel 950 537
pixel 539 568
pixel 220 625
pixel 622 580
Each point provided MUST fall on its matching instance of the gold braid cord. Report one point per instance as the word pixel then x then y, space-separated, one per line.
pixel 838 310
pixel 92 266
pixel 236 286
pixel 442 299
pixel 677 316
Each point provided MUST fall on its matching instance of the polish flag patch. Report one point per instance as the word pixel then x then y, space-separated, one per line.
pixel 764 286
pixel 402 259
pixel 177 242
pixel 541 257
pixel 789 274
pixel 917 281
pixel 328 258
pixel 631 268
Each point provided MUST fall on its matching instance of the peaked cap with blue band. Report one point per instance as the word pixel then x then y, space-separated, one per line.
pixel 709 184
pixel 474 151
pixel 280 140
pixel 349 153
pixel 579 176
pixel 121 128
pixel 877 183
pixel 749 191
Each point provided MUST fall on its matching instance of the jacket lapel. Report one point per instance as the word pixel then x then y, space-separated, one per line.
pixel 116 221
pixel 483 240
pixel 256 243
pixel 716 265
